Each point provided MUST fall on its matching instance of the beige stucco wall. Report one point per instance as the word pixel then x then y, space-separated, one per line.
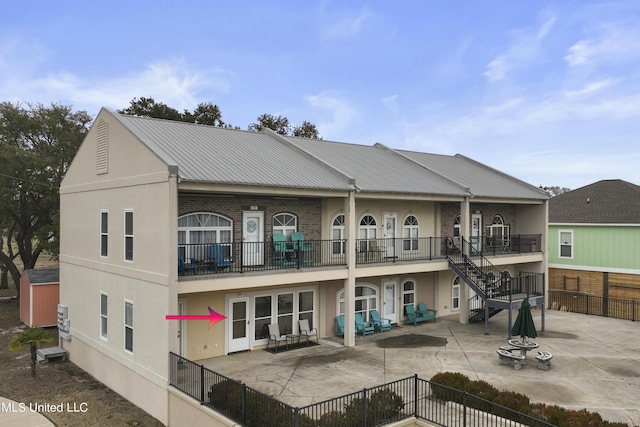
pixel 138 181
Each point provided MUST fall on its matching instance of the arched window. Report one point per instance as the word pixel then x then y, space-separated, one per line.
pixel 365 301
pixel 337 235
pixel 410 233
pixel 498 233
pixel 285 223
pixel 456 227
pixel 408 295
pixel 367 233
pixel 197 231
pixel 455 294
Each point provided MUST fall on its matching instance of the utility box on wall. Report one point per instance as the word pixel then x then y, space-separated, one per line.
pixel 39 297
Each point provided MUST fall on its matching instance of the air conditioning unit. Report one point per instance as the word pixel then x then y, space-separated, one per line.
pixel 64 324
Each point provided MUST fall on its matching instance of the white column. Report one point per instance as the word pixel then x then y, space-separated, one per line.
pixel 465 230
pixel 350 283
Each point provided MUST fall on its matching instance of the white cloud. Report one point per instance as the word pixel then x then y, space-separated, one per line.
pixel 338 112
pixel 390 103
pixel 347 27
pixel 525 49
pixel 612 42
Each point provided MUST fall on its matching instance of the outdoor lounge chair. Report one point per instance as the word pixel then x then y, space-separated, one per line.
pixel 218 259
pixel 380 323
pixel 303 249
pixel 426 311
pixel 362 327
pixel 184 265
pixel 340 325
pixel 283 253
pixel 306 331
pixel 274 335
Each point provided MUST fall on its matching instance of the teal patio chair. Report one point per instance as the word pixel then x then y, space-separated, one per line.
pixel 282 250
pixel 219 260
pixel 340 325
pixel 382 324
pixel 426 312
pixel 302 248
pixel 362 327
pixel 185 265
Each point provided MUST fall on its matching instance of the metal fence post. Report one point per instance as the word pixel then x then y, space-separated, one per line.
pixel 364 407
pixel 415 395
pixel 201 383
pixel 464 408
pixel 296 417
pixel 244 404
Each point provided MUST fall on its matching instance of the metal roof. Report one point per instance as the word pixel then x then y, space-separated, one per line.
pixel 378 169
pixel 219 155
pixel 611 201
pixel 481 180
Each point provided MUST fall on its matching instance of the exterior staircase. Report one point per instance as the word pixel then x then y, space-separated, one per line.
pixel 485 279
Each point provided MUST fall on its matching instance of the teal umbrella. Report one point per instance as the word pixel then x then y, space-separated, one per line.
pixel 523 325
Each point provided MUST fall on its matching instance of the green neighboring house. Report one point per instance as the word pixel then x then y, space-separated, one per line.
pixel 594 241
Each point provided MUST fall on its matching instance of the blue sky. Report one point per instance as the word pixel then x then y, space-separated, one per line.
pixel 548 92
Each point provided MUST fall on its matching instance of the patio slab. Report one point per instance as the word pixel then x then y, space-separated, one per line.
pixel 596 363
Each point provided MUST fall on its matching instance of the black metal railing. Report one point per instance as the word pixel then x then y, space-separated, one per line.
pixel 372 251
pixel 579 302
pixel 375 406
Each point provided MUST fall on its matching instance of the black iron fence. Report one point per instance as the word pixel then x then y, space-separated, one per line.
pixel 375 406
pixel 579 302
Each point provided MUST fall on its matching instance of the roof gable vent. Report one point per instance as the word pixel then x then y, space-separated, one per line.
pixel 102 155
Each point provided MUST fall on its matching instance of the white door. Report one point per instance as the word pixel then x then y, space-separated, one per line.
pixel 238 324
pixel 253 238
pixel 476 233
pixel 389 304
pixel 389 234
pixel 182 328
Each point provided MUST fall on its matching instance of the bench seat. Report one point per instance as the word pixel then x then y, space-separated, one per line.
pixel 507 357
pixel 544 360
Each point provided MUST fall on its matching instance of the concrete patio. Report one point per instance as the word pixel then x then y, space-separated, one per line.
pixel 596 363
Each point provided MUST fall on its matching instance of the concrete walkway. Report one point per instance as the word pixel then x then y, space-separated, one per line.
pixel 18 414
pixel 596 363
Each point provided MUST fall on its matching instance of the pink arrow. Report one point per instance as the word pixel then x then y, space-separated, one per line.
pixel 212 317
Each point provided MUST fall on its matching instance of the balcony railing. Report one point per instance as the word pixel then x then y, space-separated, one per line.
pixel 237 257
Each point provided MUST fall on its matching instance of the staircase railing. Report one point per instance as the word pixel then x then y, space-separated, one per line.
pixel 475 270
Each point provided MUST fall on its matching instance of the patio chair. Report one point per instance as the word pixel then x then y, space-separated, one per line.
pixel 218 259
pixel 184 265
pixel 427 312
pixel 306 331
pixel 274 335
pixel 362 327
pixel 303 249
pixel 380 323
pixel 282 250
pixel 340 325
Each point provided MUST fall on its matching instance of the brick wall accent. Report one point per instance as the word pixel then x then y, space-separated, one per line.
pixel 449 211
pixel 308 211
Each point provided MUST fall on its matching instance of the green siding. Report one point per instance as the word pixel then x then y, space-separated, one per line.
pixel 605 246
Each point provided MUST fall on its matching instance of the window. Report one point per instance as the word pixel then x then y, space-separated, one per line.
pixel 285 313
pixel 285 223
pixel 262 316
pixel 104 233
pixel 498 232
pixel 104 300
pixel 410 234
pixel 367 233
pixel 128 326
pixel 565 243
pixel 408 295
pixel 365 301
pixel 198 230
pixel 455 294
pixel 337 235
pixel 128 235
pixel 305 307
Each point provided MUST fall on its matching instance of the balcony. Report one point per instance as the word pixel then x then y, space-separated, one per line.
pixel 239 257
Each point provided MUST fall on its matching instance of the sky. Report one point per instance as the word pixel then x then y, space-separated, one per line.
pixel 547 92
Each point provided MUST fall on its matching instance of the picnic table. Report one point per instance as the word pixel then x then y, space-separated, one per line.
pixel 523 345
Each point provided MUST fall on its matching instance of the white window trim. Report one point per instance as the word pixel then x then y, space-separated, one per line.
pixel 128 236
pixel 104 335
pixel 124 322
pixel 413 291
pixel 410 238
pixel 572 244
pixel 286 229
pixel 341 239
pixel 365 285
pixel 456 283
pixel 105 234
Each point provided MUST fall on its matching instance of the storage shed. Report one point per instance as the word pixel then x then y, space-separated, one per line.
pixel 39 297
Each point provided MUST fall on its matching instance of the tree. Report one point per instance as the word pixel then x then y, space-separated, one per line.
pixel 148 107
pixel 207 114
pixel 282 126
pixel 37 145
pixel 277 124
pixel 32 337
pixel 306 130
pixel 553 191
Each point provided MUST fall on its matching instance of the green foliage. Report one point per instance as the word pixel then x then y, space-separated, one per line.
pixel 282 126
pixel 442 383
pixel 31 337
pixel 205 113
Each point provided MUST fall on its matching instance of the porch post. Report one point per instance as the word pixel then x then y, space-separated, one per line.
pixel 465 219
pixel 350 282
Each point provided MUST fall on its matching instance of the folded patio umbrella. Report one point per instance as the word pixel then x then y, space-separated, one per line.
pixel 523 326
